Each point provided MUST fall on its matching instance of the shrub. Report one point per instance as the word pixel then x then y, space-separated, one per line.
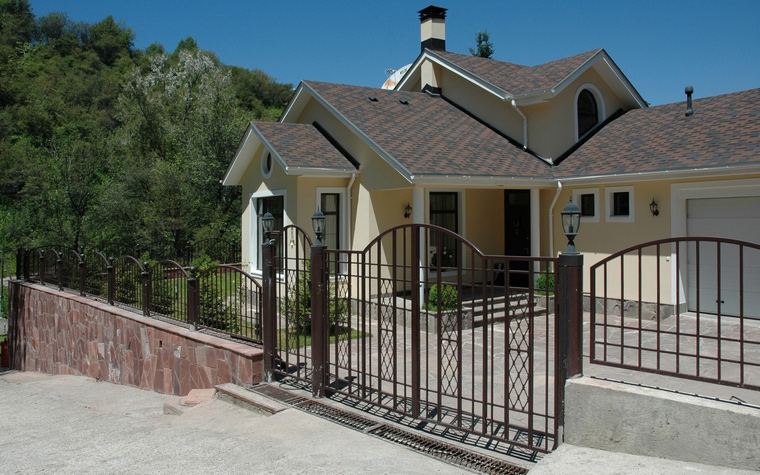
pixel 299 303
pixel 449 297
pixel 545 282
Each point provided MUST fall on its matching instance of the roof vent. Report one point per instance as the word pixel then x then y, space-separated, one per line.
pixel 689 91
pixel 372 98
pixel 404 101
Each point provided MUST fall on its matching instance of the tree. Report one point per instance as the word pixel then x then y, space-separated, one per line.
pixel 483 47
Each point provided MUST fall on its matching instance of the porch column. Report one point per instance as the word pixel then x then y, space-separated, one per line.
pixel 418 217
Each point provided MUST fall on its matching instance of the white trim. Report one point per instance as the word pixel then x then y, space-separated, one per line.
pixel 609 204
pixel 600 109
pixel 254 232
pixel 577 200
pixel 462 225
pixel 264 172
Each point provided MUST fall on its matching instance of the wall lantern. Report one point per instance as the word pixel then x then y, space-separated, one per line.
pixel 267 222
pixel 571 222
pixel 318 223
pixel 407 211
pixel 653 208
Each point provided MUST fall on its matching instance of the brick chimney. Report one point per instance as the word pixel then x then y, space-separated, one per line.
pixel 433 28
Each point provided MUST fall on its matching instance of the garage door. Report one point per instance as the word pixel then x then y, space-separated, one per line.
pixel 733 218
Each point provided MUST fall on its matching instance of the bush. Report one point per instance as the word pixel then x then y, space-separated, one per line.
pixel 545 282
pixel 299 303
pixel 218 310
pixel 449 297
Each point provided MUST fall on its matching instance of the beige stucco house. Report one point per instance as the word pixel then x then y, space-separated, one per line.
pixel 494 150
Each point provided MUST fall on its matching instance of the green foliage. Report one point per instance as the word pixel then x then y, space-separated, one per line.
pixel 100 142
pixel 483 47
pixel 545 282
pixel 299 304
pixel 449 297
pixel 218 308
pixel 4 302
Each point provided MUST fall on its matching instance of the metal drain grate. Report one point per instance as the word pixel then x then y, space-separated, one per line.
pixel 426 445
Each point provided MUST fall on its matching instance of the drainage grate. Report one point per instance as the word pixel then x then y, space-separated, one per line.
pixel 434 448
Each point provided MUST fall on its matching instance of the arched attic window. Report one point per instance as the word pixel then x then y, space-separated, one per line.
pixel 588 112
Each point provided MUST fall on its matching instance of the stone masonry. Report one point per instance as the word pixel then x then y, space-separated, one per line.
pixel 62 333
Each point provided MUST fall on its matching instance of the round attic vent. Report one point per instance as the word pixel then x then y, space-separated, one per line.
pixel 266 164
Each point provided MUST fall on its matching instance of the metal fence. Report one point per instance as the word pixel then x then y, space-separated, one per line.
pixel 224 299
pixel 684 307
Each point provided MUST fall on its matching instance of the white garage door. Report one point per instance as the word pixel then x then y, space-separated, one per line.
pixel 733 218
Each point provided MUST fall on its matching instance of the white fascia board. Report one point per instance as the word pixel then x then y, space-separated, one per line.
pixel 403 171
pixel 484 181
pixel 295 106
pixel 468 76
pixel 663 175
pixel 242 158
pixel 410 73
pixel 614 77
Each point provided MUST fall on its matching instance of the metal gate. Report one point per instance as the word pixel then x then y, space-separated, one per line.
pixel 423 324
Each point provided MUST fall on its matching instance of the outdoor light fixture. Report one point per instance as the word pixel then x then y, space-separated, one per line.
pixel 571 221
pixel 318 223
pixel 653 208
pixel 267 222
pixel 407 211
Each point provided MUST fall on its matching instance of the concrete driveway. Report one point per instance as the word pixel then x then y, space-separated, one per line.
pixel 73 424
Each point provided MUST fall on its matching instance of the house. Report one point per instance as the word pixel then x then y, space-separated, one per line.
pixel 494 150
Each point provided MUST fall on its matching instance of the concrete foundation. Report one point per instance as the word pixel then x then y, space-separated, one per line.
pixel 642 421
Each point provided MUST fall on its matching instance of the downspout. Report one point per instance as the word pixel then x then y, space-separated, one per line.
pixel 525 124
pixel 348 206
pixel 551 218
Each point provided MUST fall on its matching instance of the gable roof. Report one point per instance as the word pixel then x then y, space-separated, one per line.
pixel 425 137
pixel 723 133
pixel 298 148
pixel 528 84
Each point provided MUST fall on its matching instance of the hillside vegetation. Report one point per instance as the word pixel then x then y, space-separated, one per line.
pixel 101 142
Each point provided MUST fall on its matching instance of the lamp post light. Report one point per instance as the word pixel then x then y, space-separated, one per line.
pixel 318 223
pixel 267 222
pixel 571 221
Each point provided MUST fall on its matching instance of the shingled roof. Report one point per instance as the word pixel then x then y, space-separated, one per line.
pixel 302 146
pixel 516 78
pixel 724 131
pixel 427 135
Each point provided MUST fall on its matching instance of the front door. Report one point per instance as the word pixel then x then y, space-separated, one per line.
pixel 517 233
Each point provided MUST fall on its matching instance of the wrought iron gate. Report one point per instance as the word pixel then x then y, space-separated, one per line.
pixel 423 324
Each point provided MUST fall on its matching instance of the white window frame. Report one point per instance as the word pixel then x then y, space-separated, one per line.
pixel 264 172
pixel 577 200
pixel 600 110
pixel 460 219
pixel 345 235
pixel 256 232
pixel 609 202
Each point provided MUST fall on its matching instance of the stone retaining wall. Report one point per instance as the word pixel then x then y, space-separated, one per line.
pixel 61 333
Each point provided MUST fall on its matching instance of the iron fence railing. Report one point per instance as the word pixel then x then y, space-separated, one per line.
pixel 684 307
pixel 224 299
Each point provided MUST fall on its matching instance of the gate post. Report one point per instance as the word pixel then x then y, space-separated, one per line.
pixel 42 268
pixel 111 281
pixel 82 275
pixel 59 271
pixel 269 314
pixel 193 304
pixel 146 289
pixel 320 327
pixel 569 328
pixel 27 256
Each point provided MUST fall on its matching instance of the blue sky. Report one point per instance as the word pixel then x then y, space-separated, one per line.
pixel 661 46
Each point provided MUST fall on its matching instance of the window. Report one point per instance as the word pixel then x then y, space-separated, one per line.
pixel 620 204
pixel 587 199
pixel 588 115
pixel 444 212
pixel 266 164
pixel 589 109
pixel 330 206
pixel 276 205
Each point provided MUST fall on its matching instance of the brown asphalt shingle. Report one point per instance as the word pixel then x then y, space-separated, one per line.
pixel 724 131
pixel 302 146
pixel 428 135
pixel 518 79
